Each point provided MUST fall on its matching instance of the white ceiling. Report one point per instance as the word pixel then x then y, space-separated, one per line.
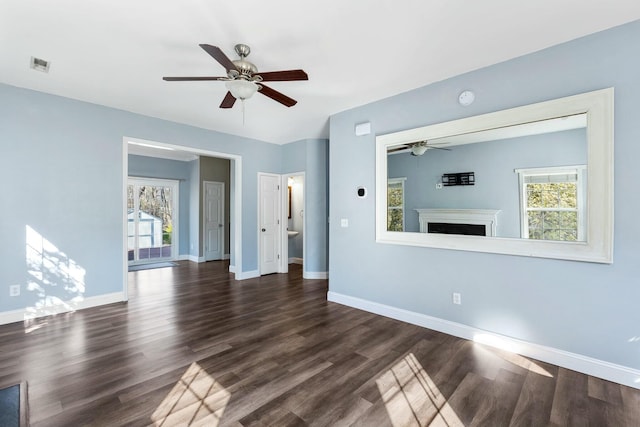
pixel 116 52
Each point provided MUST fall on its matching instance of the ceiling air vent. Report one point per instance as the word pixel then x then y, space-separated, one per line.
pixel 40 64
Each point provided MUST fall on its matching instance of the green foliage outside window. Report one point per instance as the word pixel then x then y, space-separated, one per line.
pixel 155 201
pixel 552 211
pixel 395 210
pixel 394 220
pixel 167 231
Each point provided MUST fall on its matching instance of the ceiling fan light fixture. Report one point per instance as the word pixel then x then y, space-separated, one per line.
pixel 418 149
pixel 242 89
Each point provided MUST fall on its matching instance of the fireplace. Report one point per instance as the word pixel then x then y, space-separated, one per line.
pixel 473 222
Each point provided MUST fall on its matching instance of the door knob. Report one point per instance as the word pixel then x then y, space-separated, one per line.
pixel 219 225
pixel 264 229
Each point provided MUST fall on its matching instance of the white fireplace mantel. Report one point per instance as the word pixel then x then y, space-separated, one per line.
pixel 486 217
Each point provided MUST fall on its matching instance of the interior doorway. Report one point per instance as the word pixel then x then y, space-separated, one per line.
pixel 294 218
pixel 213 220
pixel 235 202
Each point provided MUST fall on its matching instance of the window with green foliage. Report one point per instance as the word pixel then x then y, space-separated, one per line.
pixel 552 203
pixel 395 204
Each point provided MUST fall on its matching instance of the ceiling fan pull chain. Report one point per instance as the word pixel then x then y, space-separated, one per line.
pixel 242 102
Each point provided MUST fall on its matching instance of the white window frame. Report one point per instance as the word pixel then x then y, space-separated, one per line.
pixel 581 205
pixel 393 181
pixel 136 181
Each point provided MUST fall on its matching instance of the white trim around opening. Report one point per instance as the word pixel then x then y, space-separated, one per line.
pixel 236 204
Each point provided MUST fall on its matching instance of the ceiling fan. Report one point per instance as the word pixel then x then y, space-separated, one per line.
pixel 243 79
pixel 418 148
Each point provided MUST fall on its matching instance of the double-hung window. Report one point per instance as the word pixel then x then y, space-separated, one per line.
pixel 395 204
pixel 553 203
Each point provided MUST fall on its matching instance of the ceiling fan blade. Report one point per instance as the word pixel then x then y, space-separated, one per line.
pixel 228 101
pixel 393 150
pixel 283 76
pixel 187 79
pixel 429 147
pixel 277 96
pixel 219 56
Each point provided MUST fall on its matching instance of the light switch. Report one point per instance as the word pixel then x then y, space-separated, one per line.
pixel 344 222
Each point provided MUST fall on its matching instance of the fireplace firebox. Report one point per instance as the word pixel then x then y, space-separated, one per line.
pixel 449 228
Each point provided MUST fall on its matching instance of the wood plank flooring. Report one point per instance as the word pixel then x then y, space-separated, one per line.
pixel 194 347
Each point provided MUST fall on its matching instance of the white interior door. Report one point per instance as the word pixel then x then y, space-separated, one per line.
pixel 213 220
pixel 269 222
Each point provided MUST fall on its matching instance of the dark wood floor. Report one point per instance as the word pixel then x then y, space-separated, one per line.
pixel 194 347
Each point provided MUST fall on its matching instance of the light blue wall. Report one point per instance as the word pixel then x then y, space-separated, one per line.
pixel 194 209
pixel 316 201
pixel 150 167
pixel 63 179
pixel 294 157
pixel 311 156
pixel 493 164
pixel 585 308
pixel 64 160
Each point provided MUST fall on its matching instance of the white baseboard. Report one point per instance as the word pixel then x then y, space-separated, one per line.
pixel 192 258
pixel 247 275
pixel 232 268
pixel 295 260
pixel 30 313
pixel 577 362
pixel 315 274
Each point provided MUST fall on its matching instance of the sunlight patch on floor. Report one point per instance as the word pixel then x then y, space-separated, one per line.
pixel 196 399
pixel 512 355
pixel 412 398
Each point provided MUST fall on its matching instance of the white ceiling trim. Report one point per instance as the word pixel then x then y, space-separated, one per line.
pixel 159 152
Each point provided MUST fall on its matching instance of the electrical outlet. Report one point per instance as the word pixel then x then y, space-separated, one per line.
pixel 14 290
pixel 457 298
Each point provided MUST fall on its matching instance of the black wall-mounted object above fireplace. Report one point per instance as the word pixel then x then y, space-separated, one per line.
pixel 460 178
pixel 451 228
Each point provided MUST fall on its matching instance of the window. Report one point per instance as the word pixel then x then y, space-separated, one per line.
pixel 553 203
pixel 395 204
pixel 152 219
